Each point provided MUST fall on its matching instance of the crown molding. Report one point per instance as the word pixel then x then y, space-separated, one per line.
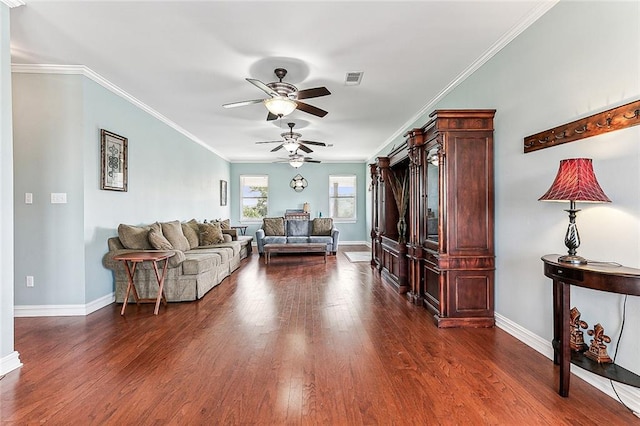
pixel 92 75
pixel 514 32
pixel 13 3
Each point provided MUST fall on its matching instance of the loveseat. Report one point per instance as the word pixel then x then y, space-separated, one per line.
pixel 205 254
pixel 278 230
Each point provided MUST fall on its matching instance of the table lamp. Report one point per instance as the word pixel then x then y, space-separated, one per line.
pixel 575 182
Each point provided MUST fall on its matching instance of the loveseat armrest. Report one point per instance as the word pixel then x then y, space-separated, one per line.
pixel 260 240
pixel 109 263
pixel 335 235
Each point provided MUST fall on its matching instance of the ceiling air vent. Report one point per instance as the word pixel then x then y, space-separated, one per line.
pixel 353 78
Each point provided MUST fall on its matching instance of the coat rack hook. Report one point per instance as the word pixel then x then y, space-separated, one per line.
pixel 636 114
pixel 561 135
pixel 608 120
pixel 581 129
pixel 544 140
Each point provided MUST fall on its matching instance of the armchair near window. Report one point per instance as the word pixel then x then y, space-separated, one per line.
pixel 278 230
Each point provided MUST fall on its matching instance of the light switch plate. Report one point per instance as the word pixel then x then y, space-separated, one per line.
pixel 28 198
pixel 58 197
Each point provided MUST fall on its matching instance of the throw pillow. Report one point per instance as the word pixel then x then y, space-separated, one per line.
pixel 172 231
pixel 210 233
pixel 158 241
pixel 190 231
pixel 273 226
pixel 134 237
pixel 322 226
pixel 225 224
pixel 227 238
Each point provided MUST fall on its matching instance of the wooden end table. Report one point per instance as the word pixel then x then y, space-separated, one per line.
pixel 242 228
pixel 294 248
pixel 131 261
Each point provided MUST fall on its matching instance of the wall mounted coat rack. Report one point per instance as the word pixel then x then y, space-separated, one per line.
pixel 603 122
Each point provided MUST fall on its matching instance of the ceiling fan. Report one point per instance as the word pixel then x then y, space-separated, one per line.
pixel 285 97
pixel 292 142
pixel 297 160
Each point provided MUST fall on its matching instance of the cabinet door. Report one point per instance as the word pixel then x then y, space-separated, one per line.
pixel 432 186
pixel 469 293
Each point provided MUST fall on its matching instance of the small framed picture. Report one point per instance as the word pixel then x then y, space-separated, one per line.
pixel 223 192
pixel 113 166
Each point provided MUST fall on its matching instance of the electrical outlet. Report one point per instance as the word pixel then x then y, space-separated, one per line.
pixel 29 280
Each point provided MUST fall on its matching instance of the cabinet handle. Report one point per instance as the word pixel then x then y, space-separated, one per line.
pixel 559 271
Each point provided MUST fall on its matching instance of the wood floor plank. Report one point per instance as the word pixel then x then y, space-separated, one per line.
pixel 294 342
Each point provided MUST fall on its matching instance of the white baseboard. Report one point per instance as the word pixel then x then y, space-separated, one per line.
pixel 10 363
pixel 629 395
pixel 354 243
pixel 63 310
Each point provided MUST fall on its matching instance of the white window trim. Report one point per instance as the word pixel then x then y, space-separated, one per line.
pixel 241 198
pixel 354 219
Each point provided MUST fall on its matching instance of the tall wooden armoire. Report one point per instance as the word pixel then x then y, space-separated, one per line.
pixel 448 261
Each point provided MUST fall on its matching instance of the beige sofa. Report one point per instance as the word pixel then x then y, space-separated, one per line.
pixel 197 266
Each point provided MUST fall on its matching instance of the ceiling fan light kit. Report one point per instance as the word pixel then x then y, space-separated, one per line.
pixel 280 106
pixel 291 146
pixel 296 161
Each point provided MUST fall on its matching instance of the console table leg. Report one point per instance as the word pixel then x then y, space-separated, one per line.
pixel 564 349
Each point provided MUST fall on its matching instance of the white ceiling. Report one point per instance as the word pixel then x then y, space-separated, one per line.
pixel 184 59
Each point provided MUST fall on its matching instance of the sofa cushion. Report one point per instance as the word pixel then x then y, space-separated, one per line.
pixel 134 237
pixel 172 231
pixel 322 226
pixel 297 240
pixel 273 226
pixel 297 228
pixel 210 233
pixel 321 239
pixel 192 233
pixel 158 241
pixel 196 263
pixel 276 239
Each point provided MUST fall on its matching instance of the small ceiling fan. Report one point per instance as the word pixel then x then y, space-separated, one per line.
pixel 285 97
pixel 297 160
pixel 292 142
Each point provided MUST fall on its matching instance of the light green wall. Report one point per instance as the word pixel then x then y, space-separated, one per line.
pixel 61 245
pixel 578 59
pixel 282 197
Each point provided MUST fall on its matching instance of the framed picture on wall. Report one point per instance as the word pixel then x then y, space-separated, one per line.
pixel 223 192
pixel 113 163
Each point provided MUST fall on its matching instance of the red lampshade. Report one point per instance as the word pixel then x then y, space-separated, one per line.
pixel 575 181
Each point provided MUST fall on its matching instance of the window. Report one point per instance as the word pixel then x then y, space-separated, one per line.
pixel 254 194
pixel 342 198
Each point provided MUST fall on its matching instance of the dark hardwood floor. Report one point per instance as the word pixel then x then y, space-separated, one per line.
pixel 294 342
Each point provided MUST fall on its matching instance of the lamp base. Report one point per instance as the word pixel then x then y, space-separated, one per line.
pixel 572 259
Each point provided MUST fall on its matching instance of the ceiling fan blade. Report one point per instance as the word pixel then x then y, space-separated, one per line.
pixel 260 85
pixel 269 142
pixel 313 143
pixel 277 148
pixel 312 161
pixel 316 92
pixel 310 109
pixel 271 116
pixel 304 148
pixel 242 103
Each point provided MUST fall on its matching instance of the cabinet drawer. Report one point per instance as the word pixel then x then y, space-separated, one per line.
pixel 561 273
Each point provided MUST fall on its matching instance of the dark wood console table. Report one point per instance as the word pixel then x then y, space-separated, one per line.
pixel 598 276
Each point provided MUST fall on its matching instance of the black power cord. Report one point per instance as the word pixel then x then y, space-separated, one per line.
pixel 615 355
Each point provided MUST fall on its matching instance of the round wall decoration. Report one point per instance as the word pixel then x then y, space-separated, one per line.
pixel 298 183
